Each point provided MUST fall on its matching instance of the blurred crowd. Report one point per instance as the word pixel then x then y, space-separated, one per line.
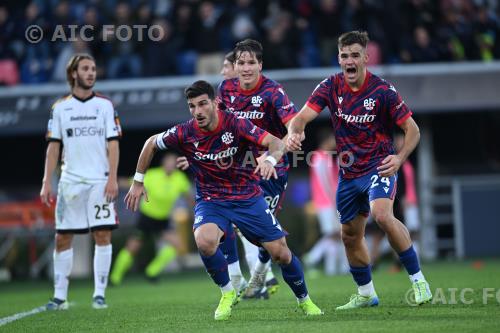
pixel 196 34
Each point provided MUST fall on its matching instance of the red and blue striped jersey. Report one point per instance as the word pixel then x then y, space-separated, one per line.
pixel 267 106
pixel 220 160
pixel 362 121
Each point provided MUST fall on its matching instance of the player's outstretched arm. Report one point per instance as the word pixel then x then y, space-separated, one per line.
pixel 276 149
pixel 297 126
pixel 391 164
pixel 51 159
pixel 137 189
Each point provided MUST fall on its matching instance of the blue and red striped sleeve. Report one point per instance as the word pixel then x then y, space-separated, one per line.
pixel 319 98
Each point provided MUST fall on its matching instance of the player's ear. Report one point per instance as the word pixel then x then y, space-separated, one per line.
pixel 260 66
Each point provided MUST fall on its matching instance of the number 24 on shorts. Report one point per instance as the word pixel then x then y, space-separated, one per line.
pixel 384 180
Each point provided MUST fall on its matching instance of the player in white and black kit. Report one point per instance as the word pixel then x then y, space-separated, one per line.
pixel 87 126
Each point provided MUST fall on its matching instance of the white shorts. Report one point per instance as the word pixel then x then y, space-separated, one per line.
pixel 412 221
pixel 83 207
pixel 328 221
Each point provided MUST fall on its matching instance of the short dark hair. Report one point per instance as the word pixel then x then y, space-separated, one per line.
pixel 199 88
pixel 231 57
pixel 354 37
pixel 250 46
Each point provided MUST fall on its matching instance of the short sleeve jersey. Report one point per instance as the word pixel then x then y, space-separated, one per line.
pixel 363 121
pixel 267 106
pixel 219 159
pixel 84 127
pixel 163 192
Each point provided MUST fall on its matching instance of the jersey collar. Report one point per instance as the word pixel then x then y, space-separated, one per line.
pixel 85 99
pixel 251 91
pixel 363 87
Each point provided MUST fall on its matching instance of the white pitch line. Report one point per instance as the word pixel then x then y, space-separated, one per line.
pixel 20 315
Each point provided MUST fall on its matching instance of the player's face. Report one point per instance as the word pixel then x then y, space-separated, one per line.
pixel 85 74
pixel 227 70
pixel 248 69
pixel 353 60
pixel 203 111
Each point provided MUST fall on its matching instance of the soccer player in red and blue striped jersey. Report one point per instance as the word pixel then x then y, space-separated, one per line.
pixel 364 110
pixel 216 143
pixel 264 102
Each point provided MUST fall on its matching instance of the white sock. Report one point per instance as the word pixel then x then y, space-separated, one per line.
pixel 102 264
pixel 234 269
pixel 303 299
pixel 63 262
pixel 418 276
pixel 261 267
pixel 367 289
pixel 227 287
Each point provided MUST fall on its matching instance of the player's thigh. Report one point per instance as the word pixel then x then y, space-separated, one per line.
pixel 351 200
pixel 100 213
pixel 256 222
pixel 274 190
pixel 381 187
pixel 71 208
pixel 211 220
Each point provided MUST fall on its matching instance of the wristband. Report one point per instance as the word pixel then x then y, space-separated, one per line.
pixel 271 160
pixel 139 177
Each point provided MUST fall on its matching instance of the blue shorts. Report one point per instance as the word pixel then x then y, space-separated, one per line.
pixel 354 195
pixel 273 191
pixel 251 216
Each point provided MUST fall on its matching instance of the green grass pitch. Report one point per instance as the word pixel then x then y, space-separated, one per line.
pixel 185 303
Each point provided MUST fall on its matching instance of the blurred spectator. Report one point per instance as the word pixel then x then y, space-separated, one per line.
pixel 208 39
pixel 328 30
pixel 124 45
pixel 421 49
pixel 70 49
pixel 165 49
pixel 279 43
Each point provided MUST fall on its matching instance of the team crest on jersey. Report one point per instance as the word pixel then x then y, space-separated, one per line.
pixel 227 138
pixel 369 104
pixel 198 219
pixel 171 131
pixel 256 101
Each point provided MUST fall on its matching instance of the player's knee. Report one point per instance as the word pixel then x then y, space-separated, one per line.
pixel 206 246
pixel 382 216
pixel 102 237
pixel 283 256
pixel 350 240
pixel 63 242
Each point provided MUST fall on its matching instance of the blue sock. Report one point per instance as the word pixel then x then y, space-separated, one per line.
pixel 229 247
pixel 264 256
pixel 362 275
pixel 216 266
pixel 294 277
pixel 410 260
